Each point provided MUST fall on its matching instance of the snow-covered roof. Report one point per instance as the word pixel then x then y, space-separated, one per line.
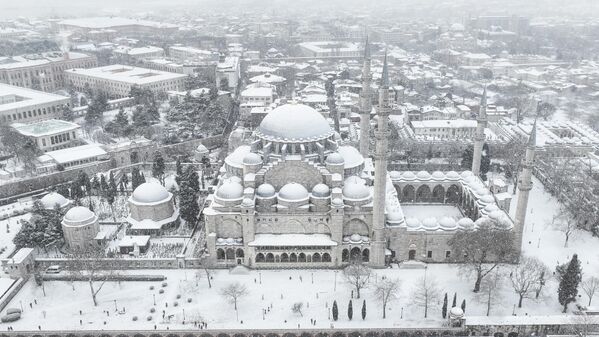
pixel 150 193
pixel 131 240
pixel 293 192
pixel 78 216
pixel 50 200
pixel 72 154
pixel 294 123
pixel 127 74
pixel 45 128
pixel 321 240
pixel 13 97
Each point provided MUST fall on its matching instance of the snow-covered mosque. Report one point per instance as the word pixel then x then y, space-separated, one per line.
pixel 297 197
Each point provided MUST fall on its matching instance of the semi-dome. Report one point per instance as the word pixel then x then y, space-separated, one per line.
pixel 321 191
pixel 79 215
pixel 294 123
pixel 230 189
pixel 466 224
pixel 50 200
pixel 150 193
pixel 334 159
pixel 337 202
pixel 355 188
pixel 423 175
pixel 351 156
pixel 252 159
pixel 456 312
pixel 293 192
pixel 265 191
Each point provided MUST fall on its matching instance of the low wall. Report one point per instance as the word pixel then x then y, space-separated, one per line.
pixel 11 292
pixel 114 277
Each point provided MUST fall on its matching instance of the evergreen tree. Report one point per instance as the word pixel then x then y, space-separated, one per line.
pixel 350 310
pixel 158 167
pixel 124 182
pixel 444 308
pixel 119 126
pixel 364 310
pixel 467 156
pixel 463 306
pixel 569 276
pixel 188 197
pixel 67 113
pixel 96 109
pixel 485 161
pixel 454 303
pixel 103 184
pixel 76 191
pixel 135 178
pixel 111 193
pixel 335 311
pixel 96 186
pixel 178 171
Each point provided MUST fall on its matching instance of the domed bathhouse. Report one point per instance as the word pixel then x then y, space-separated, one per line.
pixel 296 196
pixel 80 227
pixel 53 199
pixel 151 210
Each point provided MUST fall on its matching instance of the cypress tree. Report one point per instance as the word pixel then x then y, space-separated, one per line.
pixel 444 308
pixel 569 277
pixel 464 305
pixel 364 309
pixel 455 300
pixel 335 311
pixel 350 310
pixel 158 167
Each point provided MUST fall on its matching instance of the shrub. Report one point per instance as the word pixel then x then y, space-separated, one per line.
pixel 164 284
pixel 176 304
pixel 161 291
pixel 152 310
pixel 189 300
pixel 151 287
pixel 178 296
pixel 134 318
pixel 149 318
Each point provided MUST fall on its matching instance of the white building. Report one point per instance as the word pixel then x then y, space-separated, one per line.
pixel 151 209
pixel 139 53
pixel 189 53
pixel 50 135
pixel 329 48
pixel 116 80
pixel 228 69
pixel 22 105
pixel 445 128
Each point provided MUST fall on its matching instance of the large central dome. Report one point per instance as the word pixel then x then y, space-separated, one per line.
pixel 294 123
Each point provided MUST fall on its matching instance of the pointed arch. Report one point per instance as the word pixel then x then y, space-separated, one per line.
pixel 423 194
pixel 408 194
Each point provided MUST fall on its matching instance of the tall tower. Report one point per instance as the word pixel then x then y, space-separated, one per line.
pixel 380 172
pixel 525 185
pixel 365 103
pixel 479 138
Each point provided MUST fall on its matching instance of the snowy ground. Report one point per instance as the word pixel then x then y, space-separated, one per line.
pixel 280 289
pixel 436 211
pixel 8 229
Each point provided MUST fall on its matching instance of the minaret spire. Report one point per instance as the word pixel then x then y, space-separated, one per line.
pixel 479 138
pixel 380 172
pixel 524 186
pixel 365 103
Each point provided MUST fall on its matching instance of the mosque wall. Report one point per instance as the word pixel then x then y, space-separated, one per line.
pixel 293 171
pixel 419 245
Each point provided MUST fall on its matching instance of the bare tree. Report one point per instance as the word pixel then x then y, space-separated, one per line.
pixel 490 290
pixel 511 155
pixel 386 290
pixel 297 308
pixel 564 222
pixel 358 276
pixel 590 287
pixel 90 264
pixel 425 292
pixel 481 251
pixel 232 293
pixel 525 276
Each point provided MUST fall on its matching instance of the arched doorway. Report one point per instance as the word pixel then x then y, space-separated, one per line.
pixel 408 194
pixel 365 255
pixel 230 254
pixel 438 194
pixel 301 257
pixel 316 257
pixel 270 257
pixel 412 254
pixel 355 254
pixel 326 257
pixel 220 254
pixel 284 257
pixel 259 257
pixel 293 257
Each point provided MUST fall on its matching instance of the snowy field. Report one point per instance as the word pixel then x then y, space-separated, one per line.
pixel 279 290
pixel 8 229
pixel 436 211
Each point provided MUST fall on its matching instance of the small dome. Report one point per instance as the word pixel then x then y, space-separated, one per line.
pixel 456 312
pixel 337 202
pixel 252 159
pixel 438 175
pixel 395 175
pixel 496 215
pixel 423 175
pixel 355 188
pixel 230 240
pixel 453 175
pixel 351 156
pixel 467 174
pixel 394 216
pixel 355 238
pixel 265 191
pixel 447 223
pixel 430 224
pixel 413 223
pixel 335 159
pixel 247 202
pixel 150 193
pixel 482 221
pixel 220 240
pixel 202 149
pixel 470 180
pixel 408 175
pixel 466 224
pixel 487 199
pixel 230 190
pixel 491 208
pixel 79 214
pixel 50 200
pixel 293 192
pixel 481 191
pixel 321 191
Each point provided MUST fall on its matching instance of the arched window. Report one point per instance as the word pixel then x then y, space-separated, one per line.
pixel 365 255
pixel 270 257
pixel 345 256
pixel 452 196
pixel 239 252
pixel 438 194
pixel 259 257
pixel 316 257
pixel 230 254
pixel 301 257
pixel 355 254
pixel 408 194
pixel 284 257
pixel 423 194
pixel 326 257
pixel 292 257
pixel 220 254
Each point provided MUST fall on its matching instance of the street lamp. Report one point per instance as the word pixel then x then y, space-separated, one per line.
pixel 154 296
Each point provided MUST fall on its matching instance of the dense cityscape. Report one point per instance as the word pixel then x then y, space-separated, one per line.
pixel 296 169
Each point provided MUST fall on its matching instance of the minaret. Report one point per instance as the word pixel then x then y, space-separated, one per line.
pixel 380 172
pixel 479 138
pixel 525 185
pixel 365 103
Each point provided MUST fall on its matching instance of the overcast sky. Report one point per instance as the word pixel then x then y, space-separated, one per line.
pixel 60 8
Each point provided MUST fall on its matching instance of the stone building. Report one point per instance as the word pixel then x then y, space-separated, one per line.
pixel 80 227
pixel 52 199
pixel 151 210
